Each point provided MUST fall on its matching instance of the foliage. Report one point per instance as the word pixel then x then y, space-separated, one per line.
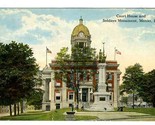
pixel 70 64
pixel 17 72
pixel 131 79
pixel 36 99
pixel 125 100
pixel 147 87
pixel 62 57
pixel 83 55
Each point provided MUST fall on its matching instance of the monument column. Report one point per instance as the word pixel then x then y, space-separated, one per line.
pixel 102 77
pixel 101 102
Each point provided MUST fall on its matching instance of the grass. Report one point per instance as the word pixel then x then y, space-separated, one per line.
pixel 39 115
pixel 150 111
pixel 57 115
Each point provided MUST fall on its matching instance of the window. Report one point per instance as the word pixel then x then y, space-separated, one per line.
pixel 57 84
pixel 57 106
pixel 110 77
pixel 81 45
pixel 70 105
pixel 70 95
pixel 88 77
pixel 47 107
pixel 110 97
pixel 58 97
pixel 102 98
pixel 81 77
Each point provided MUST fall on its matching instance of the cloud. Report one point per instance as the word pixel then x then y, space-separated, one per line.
pixel 40 30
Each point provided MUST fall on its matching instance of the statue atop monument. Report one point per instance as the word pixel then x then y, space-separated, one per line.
pixel 102 57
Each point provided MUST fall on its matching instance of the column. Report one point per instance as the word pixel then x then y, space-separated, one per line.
pixel 44 95
pixel 52 91
pixel 102 77
pixel 47 89
pixel 80 90
pixel 52 86
pixel 63 96
pixel 88 94
pixel 81 94
pixel 118 91
pixel 115 90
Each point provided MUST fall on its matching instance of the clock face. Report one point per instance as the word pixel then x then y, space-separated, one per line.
pixel 81 34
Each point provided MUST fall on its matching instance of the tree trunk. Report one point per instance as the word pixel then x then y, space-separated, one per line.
pixel 153 102
pixel 18 107
pixel 10 109
pixel 21 105
pixel 77 96
pixel 15 109
pixel 133 100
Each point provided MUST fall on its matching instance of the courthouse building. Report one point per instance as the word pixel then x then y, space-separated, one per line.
pixel 57 93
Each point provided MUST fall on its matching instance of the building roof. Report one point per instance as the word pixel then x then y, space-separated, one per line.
pixel 80 28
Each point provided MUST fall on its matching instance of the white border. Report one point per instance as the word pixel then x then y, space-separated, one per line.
pixel 77 3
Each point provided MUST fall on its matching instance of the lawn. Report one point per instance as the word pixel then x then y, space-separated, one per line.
pixel 57 115
pixel 150 111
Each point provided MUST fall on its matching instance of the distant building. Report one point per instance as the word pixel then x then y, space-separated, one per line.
pixel 59 95
pixel 138 101
pixel 4 109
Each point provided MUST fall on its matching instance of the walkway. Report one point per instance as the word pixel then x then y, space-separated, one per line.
pixel 119 116
pixel 112 116
pixel 4 114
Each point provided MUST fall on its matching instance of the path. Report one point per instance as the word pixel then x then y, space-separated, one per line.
pixel 4 114
pixel 119 116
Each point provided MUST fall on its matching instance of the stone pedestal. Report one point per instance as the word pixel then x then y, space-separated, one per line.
pixel 70 116
pixel 101 98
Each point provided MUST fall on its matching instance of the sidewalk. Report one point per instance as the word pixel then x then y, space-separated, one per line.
pixel 4 114
pixel 119 116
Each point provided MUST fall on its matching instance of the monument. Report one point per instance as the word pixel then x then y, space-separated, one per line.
pixel 101 97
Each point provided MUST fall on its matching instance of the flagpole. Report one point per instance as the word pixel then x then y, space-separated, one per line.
pixel 103 46
pixel 46 56
pixel 115 53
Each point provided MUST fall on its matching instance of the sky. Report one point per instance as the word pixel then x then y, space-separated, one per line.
pixel 52 28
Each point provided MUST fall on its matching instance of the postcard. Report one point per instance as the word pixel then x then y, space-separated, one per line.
pixel 84 55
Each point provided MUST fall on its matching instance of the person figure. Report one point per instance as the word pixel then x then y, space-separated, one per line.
pixel 77 107
pixel 82 108
pixel 72 107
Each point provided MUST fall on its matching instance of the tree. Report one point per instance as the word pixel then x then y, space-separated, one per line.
pixel 131 80
pixel 73 65
pixel 36 99
pixel 147 87
pixel 18 69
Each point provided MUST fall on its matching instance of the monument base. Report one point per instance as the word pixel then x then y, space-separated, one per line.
pixel 101 102
pixel 70 116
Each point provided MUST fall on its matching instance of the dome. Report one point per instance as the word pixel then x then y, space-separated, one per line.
pixel 80 28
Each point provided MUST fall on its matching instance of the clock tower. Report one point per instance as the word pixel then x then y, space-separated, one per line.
pixel 80 35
